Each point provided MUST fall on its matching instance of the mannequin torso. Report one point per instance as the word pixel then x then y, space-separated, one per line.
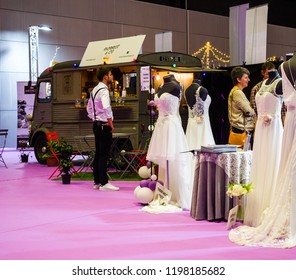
pixel 290 69
pixel 277 226
pixel 273 75
pixel 171 86
pixel 191 92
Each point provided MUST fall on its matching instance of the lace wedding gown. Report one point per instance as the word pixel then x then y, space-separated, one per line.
pixel 266 153
pixel 167 144
pixel 199 131
pixel 278 228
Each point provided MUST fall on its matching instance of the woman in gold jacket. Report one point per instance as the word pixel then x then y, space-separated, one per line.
pixel 240 113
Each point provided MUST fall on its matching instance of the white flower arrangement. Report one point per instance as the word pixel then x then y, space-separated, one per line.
pixel 267 119
pixel 239 189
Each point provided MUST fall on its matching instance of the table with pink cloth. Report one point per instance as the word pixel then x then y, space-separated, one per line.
pixel 213 172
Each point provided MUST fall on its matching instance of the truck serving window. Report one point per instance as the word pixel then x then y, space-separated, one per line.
pixel 44 94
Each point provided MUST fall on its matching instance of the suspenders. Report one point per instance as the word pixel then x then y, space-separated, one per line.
pixel 93 99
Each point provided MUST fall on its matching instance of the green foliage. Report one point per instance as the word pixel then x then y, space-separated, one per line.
pixel 63 150
pixel 114 176
pixel 55 145
pixel 65 154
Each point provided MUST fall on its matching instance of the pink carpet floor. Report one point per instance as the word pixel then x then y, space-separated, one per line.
pixel 43 219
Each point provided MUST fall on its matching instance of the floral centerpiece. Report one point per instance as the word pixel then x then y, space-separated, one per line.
pixel 238 190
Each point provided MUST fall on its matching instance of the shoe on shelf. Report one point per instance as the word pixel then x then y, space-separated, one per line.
pixel 109 186
pixel 97 186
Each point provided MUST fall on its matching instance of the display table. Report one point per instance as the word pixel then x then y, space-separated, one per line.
pixel 212 173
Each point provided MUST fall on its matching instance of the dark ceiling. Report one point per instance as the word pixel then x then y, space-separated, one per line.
pixel 281 13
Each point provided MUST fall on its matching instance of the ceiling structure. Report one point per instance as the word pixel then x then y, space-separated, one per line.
pixel 279 12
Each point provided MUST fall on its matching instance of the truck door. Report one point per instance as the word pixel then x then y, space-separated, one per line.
pixel 42 117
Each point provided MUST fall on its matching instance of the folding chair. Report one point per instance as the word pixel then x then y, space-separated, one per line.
pixel 136 158
pixel 3 138
pixel 54 145
pixel 85 151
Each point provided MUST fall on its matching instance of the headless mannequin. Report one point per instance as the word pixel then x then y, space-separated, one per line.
pixel 272 76
pixel 290 69
pixel 170 85
pixel 191 91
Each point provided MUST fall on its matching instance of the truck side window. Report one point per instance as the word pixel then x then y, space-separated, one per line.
pixel 44 94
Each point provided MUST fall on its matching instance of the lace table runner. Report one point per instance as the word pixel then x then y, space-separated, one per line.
pixel 236 165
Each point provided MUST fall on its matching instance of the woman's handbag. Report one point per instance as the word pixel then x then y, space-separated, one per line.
pixel 237 138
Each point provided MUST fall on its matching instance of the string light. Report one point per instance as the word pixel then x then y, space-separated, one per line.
pixel 272 58
pixel 208 49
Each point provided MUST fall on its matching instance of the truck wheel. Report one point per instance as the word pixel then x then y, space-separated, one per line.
pixel 40 142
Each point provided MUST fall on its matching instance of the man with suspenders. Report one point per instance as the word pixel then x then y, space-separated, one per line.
pixel 100 111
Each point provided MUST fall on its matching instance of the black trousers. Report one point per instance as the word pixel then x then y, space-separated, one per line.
pixel 103 141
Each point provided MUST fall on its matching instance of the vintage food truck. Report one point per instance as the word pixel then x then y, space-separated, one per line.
pixel 62 91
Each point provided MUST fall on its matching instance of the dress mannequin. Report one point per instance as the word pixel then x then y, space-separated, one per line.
pixel 170 85
pixel 168 145
pixel 290 69
pixel 191 90
pixel 278 227
pixel 198 130
pixel 272 76
pixel 267 147
pixel 288 73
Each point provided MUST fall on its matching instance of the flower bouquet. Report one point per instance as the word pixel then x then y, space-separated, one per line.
pixel 238 190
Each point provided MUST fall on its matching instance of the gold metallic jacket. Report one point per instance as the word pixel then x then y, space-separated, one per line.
pixel 238 107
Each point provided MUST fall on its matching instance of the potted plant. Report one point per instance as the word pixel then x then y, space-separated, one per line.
pixel 65 163
pixel 51 147
pixel 61 152
pixel 24 154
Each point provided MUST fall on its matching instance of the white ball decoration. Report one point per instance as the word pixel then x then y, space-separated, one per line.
pixel 144 195
pixel 151 127
pixel 153 177
pixel 136 191
pixel 144 172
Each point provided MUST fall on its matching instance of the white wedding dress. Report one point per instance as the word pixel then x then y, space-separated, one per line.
pixel 278 228
pixel 266 153
pixel 167 146
pixel 199 131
